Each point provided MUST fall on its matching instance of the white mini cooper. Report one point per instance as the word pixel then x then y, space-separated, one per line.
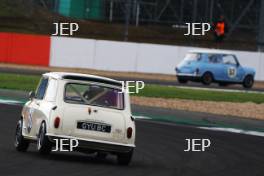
pixel 87 108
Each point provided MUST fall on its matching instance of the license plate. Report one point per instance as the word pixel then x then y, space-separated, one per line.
pixel 94 127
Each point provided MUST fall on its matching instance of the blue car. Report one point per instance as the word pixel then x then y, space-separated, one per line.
pixel 208 66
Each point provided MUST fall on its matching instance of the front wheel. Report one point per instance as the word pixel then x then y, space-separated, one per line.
pixel 21 144
pixel 248 82
pixel 44 146
pixel 124 158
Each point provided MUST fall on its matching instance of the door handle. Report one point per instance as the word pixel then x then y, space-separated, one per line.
pixel 37 104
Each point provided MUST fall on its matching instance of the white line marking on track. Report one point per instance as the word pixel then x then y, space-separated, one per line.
pixel 141 117
pixel 219 90
pixel 3 101
pixel 234 130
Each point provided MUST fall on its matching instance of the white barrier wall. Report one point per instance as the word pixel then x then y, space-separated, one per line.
pixel 157 58
pixel 131 57
pixel 261 67
pixel 72 52
pixel 116 56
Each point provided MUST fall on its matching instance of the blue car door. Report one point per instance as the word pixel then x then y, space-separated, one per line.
pixel 233 72
pixel 216 66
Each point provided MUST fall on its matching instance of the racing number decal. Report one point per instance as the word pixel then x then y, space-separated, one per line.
pixel 231 72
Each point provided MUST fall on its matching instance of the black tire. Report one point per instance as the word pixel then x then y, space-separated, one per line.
pixel 248 82
pixel 21 144
pixel 207 78
pixel 124 158
pixel 182 80
pixel 44 146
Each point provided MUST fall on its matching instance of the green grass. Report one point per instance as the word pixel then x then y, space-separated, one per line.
pixel 18 82
pixel 29 82
pixel 191 94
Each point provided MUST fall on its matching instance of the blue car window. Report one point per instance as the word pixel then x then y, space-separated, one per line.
pixel 229 59
pixel 219 59
pixel 214 58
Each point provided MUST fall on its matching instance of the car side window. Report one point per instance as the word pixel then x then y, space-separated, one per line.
pixel 42 88
pixel 229 59
pixel 51 91
pixel 213 58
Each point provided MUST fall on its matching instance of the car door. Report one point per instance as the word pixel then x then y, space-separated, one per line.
pixel 35 107
pixel 216 66
pixel 232 69
pixel 30 110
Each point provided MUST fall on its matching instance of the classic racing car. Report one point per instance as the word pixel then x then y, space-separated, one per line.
pixel 209 66
pixel 90 109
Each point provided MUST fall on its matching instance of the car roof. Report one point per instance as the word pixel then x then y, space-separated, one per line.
pixel 82 77
pixel 211 51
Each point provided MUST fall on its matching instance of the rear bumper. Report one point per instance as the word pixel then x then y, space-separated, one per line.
pixel 95 145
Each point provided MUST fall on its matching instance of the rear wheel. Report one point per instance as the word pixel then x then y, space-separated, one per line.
pixel 207 78
pixel 182 80
pixel 44 146
pixel 21 144
pixel 124 158
pixel 248 81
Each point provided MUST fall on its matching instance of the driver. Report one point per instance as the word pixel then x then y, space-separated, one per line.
pixel 92 92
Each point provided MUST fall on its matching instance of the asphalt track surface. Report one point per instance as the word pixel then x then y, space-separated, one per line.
pixel 148 81
pixel 159 152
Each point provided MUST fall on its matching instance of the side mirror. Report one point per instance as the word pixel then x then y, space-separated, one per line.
pixel 32 95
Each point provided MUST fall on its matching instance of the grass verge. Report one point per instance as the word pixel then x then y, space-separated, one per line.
pixel 207 95
pixel 18 82
pixel 29 82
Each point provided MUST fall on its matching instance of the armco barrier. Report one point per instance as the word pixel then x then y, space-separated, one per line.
pixel 157 58
pixel 104 55
pixel 261 67
pixel 133 57
pixel 72 52
pixel 24 49
pixel 4 47
pixel 115 56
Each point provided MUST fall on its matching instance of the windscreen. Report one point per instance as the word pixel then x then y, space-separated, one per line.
pixel 94 95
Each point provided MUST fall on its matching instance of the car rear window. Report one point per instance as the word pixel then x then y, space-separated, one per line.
pixel 93 94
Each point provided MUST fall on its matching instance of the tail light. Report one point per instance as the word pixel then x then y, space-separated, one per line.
pixel 56 122
pixel 129 132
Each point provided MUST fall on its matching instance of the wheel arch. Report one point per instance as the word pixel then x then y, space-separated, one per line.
pixel 248 74
pixel 46 125
pixel 210 72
